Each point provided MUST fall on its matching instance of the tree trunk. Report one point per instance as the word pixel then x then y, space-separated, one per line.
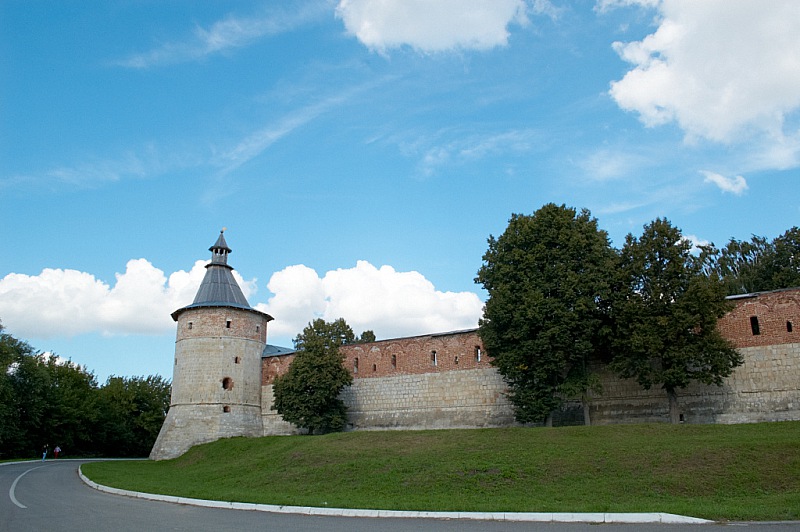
pixel 587 415
pixel 674 411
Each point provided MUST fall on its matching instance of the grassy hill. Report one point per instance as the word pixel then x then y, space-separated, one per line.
pixel 734 472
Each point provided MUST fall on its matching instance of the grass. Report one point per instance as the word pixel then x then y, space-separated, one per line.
pixel 722 472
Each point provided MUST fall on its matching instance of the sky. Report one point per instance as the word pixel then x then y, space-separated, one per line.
pixel 360 153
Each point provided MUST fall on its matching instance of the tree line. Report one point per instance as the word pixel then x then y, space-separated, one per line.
pixel 45 401
pixel 562 300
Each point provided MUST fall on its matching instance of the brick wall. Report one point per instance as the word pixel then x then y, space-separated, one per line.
pixel 398 386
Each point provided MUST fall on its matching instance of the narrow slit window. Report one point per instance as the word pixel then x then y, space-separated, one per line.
pixel 258 328
pixel 477 353
pixel 355 365
pixel 236 360
pixel 394 361
pixel 455 360
pixel 754 325
pixel 228 324
pixel 789 326
pixel 434 360
pixel 374 368
pixel 190 325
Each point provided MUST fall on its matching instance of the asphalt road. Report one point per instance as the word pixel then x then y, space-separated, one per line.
pixel 49 496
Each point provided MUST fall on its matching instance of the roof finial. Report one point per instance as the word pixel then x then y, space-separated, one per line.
pixel 224 229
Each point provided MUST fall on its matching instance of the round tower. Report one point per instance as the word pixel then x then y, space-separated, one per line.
pixel 216 382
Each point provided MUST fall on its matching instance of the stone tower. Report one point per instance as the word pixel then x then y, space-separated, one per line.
pixel 216 382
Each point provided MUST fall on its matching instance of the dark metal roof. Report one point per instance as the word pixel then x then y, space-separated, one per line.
pixel 219 288
pixel 276 351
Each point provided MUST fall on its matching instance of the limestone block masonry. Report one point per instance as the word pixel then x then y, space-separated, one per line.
pixel 216 385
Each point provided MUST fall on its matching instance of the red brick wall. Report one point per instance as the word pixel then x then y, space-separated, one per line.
pixel 412 356
pixel 772 310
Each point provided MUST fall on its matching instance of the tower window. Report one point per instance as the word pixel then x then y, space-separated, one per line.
pixel 374 368
pixel 190 325
pixel 227 383
pixel 754 325
pixel 236 360
pixel 355 365
pixel 226 409
pixel 455 361
pixel 394 361
pixel 434 360
pixel 258 328
pixel 228 324
pixel 789 326
pixel 477 353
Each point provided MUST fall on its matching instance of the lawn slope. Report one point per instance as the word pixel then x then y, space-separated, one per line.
pixel 734 472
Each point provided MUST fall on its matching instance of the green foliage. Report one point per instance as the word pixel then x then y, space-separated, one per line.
pixel 132 412
pixel 48 401
pixel 548 281
pixel 308 394
pixel 735 472
pixel 665 312
pixel 757 265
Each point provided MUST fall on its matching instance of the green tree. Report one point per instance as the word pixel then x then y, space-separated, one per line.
pixel 666 312
pixel 785 266
pixel 308 394
pixel 132 412
pixel 12 440
pixel 743 266
pixel 547 315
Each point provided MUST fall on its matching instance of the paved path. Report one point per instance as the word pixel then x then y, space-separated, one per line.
pixel 36 496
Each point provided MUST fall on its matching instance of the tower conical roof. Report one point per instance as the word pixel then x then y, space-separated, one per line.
pixel 219 288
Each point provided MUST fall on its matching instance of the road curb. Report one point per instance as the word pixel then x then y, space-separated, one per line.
pixel 539 517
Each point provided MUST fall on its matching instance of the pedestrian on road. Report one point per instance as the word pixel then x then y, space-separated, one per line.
pixel 44 452
pixel 56 451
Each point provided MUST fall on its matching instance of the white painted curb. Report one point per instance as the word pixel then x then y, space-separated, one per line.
pixel 541 517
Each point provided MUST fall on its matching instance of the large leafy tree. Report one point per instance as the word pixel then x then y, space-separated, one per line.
pixel 666 312
pixel 546 315
pixel 132 410
pixel 308 394
pixel 757 265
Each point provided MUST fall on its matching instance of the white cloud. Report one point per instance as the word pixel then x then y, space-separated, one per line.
pixel 391 303
pixel 229 33
pixel 436 26
pixel 696 242
pixel 69 302
pixel 735 185
pixel 720 69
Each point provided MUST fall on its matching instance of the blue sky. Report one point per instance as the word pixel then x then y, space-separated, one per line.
pixel 360 153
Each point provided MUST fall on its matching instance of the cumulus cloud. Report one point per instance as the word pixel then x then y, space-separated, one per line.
pixel 735 185
pixel 389 302
pixel 436 26
pixel 717 68
pixel 69 302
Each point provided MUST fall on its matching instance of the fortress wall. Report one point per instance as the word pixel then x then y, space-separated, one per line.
pixel 400 385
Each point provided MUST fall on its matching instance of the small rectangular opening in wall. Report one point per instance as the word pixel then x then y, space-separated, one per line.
pixel 190 325
pixel 477 353
pixel 455 361
pixel 236 360
pixel 228 324
pixel 434 360
pixel 754 325
pixel 355 365
pixel 789 326
pixel 226 409
pixel 394 361
pixel 374 368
